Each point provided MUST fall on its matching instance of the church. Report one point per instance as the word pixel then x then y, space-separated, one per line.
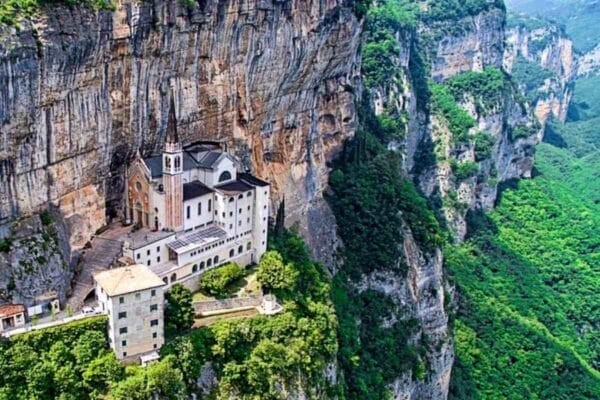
pixel 193 209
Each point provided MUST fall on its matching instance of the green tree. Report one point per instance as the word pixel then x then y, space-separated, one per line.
pixel 179 313
pixel 273 274
pixel 101 373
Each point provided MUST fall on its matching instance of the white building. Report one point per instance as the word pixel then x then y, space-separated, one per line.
pixel 195 210
pixel 133 298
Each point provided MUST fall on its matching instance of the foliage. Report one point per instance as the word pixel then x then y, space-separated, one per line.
pixel 523 131
pixel 179 312
pixel 527 281
pixel 453 10
pixel 215 281
pixel 264 357
pixel 488 88
pixel 372 353
pixel 379 52
pixel 57 362
pixel 464 170
pixel 160 380
pixel 458 119
pixel 46 218
pixel 274 275
pixel 484 145
pixel 531 77
pixel 370 200
pixel 585 105
pixel 12 10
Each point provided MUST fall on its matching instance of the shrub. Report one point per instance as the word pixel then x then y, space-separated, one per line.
pixel 444 104
pixel 46 218
pixel 215 281
pixel 274 274
pixel 484 144
pixel 179 313
pixel 464 170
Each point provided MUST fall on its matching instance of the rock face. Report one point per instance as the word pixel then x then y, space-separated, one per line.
pixel 82 92
pixel 38 261
pixel 589 63
pixel 549 48
pixel 473 43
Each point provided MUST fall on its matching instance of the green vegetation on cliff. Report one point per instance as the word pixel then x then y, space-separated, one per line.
pixel 269 357
pixel 12 10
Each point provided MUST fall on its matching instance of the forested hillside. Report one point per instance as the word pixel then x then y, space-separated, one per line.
pixel 528 276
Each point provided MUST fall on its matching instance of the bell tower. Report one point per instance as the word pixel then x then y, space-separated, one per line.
pixel 172 169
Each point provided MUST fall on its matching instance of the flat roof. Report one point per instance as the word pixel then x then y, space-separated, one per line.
pixel 194 190
pixel 199 238
pixel 144 236
pixel 234 187
pixel 11 309
pixel 128 279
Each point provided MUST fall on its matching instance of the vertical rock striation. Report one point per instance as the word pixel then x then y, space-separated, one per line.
pixel 81 92
pixel 531 42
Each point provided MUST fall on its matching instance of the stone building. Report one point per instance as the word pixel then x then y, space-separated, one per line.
pixel 133 299
pixel 12 316
pixel 195 210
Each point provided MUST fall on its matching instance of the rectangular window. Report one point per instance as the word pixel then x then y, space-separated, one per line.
pixel 138 255
pixel 209 205
pixel 121 300
pixel 123 330
pixel 153 293
pixel 122 315
pixel 154 335
pixel 158 249
pixel 138 296
pixel 154 345
pixel 123 343
pixel 148 263
pixel 124 354
pixel 154 322
pixel 148 252
pixel 153 307
pixel 200 208
pixel 187 212
pixel 158 259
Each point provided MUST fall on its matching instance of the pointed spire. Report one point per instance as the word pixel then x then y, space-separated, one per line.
pixel 172 136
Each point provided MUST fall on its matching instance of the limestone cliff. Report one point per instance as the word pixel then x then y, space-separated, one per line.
pixel 533 42
pixel 442 50
pixel 82 91
pixel 34 259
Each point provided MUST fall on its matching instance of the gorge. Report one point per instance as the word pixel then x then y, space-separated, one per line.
pixel 386 129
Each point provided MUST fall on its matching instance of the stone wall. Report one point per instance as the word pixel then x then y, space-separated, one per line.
pixel 201 307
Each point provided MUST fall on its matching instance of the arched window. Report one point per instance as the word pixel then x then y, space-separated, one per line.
pixel 177 163
pixel 240 249
pixel 231 253
pixel 202 265
pixel 195 268
pixel 216 260
pixel 241 196
pixel 208 262
pixel 173 278
pixel 248 246
pixel 225 176
pixel 231 199
pixel 166 280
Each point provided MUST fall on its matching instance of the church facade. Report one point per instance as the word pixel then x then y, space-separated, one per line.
pixel 194 210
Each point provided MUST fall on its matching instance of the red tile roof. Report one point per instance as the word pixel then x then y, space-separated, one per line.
pixel 11 309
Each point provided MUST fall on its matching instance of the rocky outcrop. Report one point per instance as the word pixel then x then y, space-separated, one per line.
pixel 589 63
pixel 82 92
pixel 531 42
pixel 36 260
pixel 450 47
